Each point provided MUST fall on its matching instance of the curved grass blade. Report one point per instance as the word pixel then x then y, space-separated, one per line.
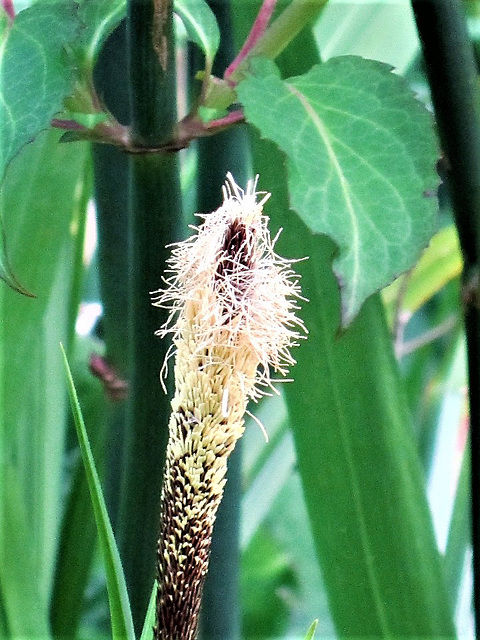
pixel 121 618
pixel 311 630
pixel 147 631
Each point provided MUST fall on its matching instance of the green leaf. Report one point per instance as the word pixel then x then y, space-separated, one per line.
pixel 147 631
pixel 361 155
pixel 75 552
pixel 289 513
pixel 441 262
pixel 201 26
pixel 268 582
pixel 35 73
pixel 363 483
pixel 267 484
pixel 99 18
pixel 39 200
pixel 311 630
pixel 121 618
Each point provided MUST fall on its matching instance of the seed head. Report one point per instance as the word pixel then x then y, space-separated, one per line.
pixel 232 313
pixel 228 290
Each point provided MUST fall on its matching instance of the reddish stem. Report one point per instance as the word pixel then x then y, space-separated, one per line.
pixel 231 118
pixel 67 124
pixel 9 9
pixel 258 29
pixel 115 388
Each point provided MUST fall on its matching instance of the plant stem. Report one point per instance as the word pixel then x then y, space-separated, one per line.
pixel 155 214
pixel 452 75
pixel 9 9
pixel 281 32
pixel 111 171
pixel 257 30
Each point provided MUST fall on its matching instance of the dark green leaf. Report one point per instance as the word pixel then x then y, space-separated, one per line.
pixel 361 155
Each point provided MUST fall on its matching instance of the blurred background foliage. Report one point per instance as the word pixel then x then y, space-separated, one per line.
pixel 65 217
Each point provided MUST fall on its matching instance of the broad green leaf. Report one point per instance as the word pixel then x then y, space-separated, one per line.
pixel 440 263
pixel 25 615
pixel 39 199
pixel 120 615
pixel 311 630
pixel 201 25
pixel 361 158
pixel 35 73
pixel 356 452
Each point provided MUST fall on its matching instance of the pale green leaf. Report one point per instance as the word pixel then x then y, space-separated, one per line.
pixel 120 614
pixel 311 630
pixel 39 201
pixel 441 262
pixel 99 18
pixel 200 24
pixel 35 73
pixel 361 156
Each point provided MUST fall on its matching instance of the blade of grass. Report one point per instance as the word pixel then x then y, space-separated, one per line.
pixel 121 618
pixel 78 533
pixel 147 631
pixel 311 630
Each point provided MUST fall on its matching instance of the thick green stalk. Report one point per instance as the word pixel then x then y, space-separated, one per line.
pixel 155 214
pixel 111 175
pixel 452 75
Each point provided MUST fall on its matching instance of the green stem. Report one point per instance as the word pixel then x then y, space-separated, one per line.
pixel 155 215
pixel 452 75
pixel 281 32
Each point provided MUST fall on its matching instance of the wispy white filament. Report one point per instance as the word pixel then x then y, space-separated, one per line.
pixel 241 298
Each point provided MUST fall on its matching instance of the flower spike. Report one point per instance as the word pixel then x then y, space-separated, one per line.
pixel 232 303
